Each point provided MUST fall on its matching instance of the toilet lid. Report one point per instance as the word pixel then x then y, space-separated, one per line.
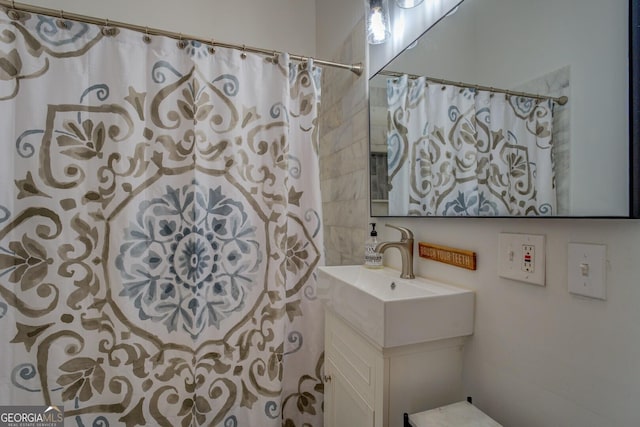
pixel 460 414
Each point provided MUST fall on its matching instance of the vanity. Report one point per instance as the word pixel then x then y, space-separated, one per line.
pixel 392 345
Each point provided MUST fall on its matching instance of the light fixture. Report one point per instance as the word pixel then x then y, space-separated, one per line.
pixel 378 28
pixel 414 44
pixel 408 4
pixel 452 11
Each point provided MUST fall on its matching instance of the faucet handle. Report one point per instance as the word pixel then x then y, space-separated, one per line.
pixel 406 233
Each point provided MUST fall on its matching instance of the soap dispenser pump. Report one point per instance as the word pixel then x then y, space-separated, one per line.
pixel 372 259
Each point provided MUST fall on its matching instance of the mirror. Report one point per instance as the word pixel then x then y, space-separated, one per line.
pixel 497 56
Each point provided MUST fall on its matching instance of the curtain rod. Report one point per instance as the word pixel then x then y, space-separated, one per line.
pixel 15 8
pixel 562 100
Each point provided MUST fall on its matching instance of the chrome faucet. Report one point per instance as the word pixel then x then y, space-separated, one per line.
pixel 405 246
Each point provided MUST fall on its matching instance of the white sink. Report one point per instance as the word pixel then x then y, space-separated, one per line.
pixel 392 311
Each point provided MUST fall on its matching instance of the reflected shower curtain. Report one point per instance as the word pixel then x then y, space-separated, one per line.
pixel 159 229
pixel 456 151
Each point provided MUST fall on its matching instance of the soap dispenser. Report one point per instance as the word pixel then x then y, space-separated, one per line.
pixel 372 259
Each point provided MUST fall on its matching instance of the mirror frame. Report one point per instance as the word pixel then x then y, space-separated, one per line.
pixel 634 132
pixel 634 108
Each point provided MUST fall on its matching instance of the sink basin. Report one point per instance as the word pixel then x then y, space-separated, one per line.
pixel 392 311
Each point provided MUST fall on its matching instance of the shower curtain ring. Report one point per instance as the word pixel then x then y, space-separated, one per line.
pixel 181 43
pixel 146 38
pixel 61 22
pixel 212 47
pixel 106 30
pixel 13 14
pixel 243 55
pixel 275 57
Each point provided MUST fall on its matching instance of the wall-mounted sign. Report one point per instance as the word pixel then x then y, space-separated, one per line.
pixel 458 257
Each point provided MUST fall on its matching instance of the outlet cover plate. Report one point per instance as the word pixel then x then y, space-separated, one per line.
pixel 521 257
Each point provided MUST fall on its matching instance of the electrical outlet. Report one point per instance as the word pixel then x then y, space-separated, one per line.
pixel 528 258
pixel 521 257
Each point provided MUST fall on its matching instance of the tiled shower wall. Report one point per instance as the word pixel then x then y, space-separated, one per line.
pixel 344 181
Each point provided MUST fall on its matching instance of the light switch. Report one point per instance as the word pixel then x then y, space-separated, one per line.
pixel 587 270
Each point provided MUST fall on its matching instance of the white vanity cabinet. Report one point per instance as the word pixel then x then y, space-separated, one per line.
pixel 352 368
pixel 344 406
pixel 392 345
pixel 370 386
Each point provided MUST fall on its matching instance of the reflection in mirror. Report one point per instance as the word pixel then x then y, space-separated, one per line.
pixel 472 119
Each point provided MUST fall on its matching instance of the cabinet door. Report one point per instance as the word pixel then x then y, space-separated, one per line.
pixel 343 405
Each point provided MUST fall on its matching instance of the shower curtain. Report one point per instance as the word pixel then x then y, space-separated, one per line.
pixel 160 227
pixel 456 151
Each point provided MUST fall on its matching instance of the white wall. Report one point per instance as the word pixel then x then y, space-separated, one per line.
pixel 286 25
pixel 541 356
pixel 335 27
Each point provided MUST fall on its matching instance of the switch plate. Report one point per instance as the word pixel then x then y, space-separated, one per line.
pixel 587 270
pixel 521 257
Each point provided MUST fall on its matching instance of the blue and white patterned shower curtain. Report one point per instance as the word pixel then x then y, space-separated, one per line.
pixel 159 229
pixel 455 151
